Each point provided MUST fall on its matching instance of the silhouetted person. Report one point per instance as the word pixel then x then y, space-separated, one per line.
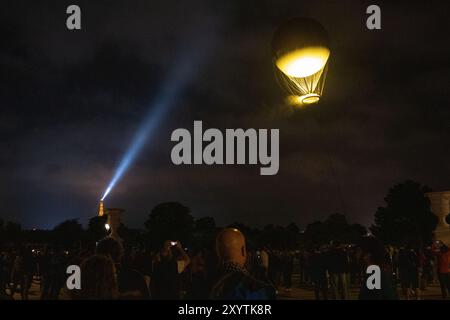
pixel 234 281
pixel 22 273
pixel 373 253
pixel 54 276
pixel 98 280
pixel 306 269
pixel 170 262
pixel 17 273
pixel 288 267
pixel 264 262
pixel 409 272
pixel 318 273
pixel 6 264
pixel 2 274
pixel 131 283
pixel 132 287
pixel 339 268
pixel 199 282
pixel 427 275
pixel 443 265
pixel 29 268
pixel 275 268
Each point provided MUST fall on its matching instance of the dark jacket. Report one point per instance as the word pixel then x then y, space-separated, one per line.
pixel 235 283
pixel 387 291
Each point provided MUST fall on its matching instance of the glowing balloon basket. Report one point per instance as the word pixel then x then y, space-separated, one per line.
pixel 300 57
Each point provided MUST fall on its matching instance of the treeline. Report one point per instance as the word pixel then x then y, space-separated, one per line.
pixel 406 217
pixel 174 221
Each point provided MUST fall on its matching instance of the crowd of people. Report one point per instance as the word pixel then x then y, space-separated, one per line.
pixel 333 270
pixel 114 271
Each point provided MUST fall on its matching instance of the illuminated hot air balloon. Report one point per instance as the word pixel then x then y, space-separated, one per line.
pixel 300 56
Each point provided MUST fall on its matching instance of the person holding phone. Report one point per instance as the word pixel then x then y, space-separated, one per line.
pixel 170 262
pixel 443 263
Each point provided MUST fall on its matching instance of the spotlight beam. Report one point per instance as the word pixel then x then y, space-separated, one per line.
pixel 177 80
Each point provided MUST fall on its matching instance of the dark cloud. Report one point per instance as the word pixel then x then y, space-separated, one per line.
pixel 71 102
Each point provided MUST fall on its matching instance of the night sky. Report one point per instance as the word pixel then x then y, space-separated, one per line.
pixel 71 101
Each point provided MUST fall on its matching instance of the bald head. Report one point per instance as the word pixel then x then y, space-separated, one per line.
pixel 230 246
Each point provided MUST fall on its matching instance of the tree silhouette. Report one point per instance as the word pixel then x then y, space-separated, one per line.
pixel 12 232
pixel 315 234
pixel 293 228
pixel 169 221
pixel 334 229
pixel 205 232
pixel 68 233
pixel 337 227
pixel 131 237
pixel 407 216
pixel 356 232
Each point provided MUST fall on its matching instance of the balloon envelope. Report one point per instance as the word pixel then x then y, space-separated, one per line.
pixel 300 55
pixel 304 62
